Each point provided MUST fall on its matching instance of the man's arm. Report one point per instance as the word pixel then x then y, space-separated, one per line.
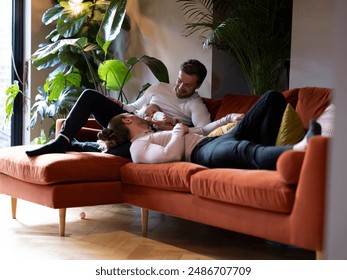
pixel 139 103
pixel 200 114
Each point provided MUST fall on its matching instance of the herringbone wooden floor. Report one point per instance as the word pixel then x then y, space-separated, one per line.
pixel 114 232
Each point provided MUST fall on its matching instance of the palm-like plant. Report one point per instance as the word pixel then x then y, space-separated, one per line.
pixel 256 33
pixel 78 51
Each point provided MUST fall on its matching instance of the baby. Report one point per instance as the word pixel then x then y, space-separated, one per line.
pixel 155 116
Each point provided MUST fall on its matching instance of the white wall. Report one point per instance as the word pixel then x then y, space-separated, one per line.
pixel 157 30
pixel 337 207
pixel 319 59
pixel 310 62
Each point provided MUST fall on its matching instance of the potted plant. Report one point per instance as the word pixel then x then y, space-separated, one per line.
pixel 257 33
pixel 80 55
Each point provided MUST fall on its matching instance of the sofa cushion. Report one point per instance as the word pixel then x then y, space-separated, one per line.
pixel 172 176
pixel 262 189
pixel 212 105
pixel 312 101
pixel 327 121
pixel 236 103
pixel 88 132
pixel 291 96
pixel 223 129
pixel 291 130
pixel 54 168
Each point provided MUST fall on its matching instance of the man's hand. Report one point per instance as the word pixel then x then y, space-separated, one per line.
pixel 183 127
pixel 233 118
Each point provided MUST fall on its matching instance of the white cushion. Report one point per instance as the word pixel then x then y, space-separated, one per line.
pixel 327 120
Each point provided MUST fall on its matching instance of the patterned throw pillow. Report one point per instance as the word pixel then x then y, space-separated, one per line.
pixel 291 130
pixel 222 130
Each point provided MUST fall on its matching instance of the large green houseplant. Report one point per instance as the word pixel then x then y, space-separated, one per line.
pixel 80 55
pixel 256 33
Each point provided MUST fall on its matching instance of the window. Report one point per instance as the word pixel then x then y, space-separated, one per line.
pixel 11 50
pixel 5 69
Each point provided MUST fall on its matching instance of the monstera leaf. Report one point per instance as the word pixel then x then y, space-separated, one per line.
pixel 157 67
pixel 111 23
pixel 116 73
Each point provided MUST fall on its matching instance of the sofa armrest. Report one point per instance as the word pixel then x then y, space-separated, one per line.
pixel 309 207
pixel 87 133
pixel 289 166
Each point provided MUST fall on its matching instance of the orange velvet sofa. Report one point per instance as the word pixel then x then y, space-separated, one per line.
pixel 284 205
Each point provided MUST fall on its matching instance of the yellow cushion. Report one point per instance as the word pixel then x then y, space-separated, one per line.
pixel 222 129
pixel 291 130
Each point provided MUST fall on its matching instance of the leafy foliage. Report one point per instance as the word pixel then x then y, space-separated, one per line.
pixel 255 32
pixel 81 38
pixel 79 54
pixel 116 74
pixel 11 93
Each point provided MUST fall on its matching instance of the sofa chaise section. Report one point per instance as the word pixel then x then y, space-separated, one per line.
pixel 60 181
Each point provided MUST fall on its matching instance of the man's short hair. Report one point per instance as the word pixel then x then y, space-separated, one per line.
pixel 194 67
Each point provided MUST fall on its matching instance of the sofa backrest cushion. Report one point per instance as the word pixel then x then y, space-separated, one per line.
pixel 241 103
pixel 235 103
pixel 312 101
pixel 291 96
pixel 309 102
pixel 212 105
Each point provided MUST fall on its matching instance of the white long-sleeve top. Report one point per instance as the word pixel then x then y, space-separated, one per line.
pixel 171 145
pixel 164 146
pixel 191 111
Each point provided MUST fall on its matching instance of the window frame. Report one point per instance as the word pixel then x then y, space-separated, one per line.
pixel 18 57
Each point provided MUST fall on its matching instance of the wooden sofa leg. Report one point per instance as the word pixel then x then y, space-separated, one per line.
pixel 14 207
pixel 144 218
pixel 320 255
pixel 62 218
